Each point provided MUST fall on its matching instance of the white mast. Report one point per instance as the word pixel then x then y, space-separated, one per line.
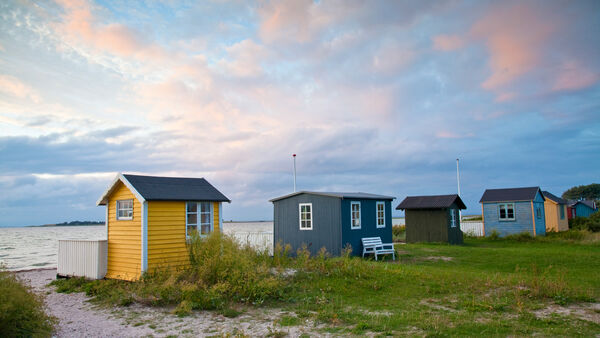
pixel 458 182
pixel 294 172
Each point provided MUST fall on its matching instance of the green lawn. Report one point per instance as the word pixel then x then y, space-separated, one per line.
pixel 484 287
pixel 481 288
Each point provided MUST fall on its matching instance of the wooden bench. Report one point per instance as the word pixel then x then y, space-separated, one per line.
pixel 373 245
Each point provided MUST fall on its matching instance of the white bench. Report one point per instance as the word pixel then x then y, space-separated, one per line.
pixel 373 245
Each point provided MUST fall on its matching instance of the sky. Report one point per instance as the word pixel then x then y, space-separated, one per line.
pixel 372 96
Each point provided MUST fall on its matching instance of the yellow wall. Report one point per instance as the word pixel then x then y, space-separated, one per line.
pixel 553 221
pixel 166 233
pixel 124 238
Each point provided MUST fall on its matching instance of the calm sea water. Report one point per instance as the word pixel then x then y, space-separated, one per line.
pixel 37 247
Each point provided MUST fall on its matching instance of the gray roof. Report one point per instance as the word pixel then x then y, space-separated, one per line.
pixel 588 203
pixel 431 202
pixel 554 198
pixel 342 195
pixel 510 194
pixel 175 188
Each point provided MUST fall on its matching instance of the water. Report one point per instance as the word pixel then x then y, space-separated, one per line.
pixel 37 247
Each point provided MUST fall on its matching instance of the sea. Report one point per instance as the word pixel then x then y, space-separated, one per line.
pixel 27 248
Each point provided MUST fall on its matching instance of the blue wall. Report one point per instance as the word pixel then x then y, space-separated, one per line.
pixel 368 221
pixel 582 210
pixel 523 221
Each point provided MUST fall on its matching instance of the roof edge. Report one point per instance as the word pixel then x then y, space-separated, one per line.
pixel 120 177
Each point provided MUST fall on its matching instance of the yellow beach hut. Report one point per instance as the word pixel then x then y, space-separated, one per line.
pixel 149 220
pixel 556 213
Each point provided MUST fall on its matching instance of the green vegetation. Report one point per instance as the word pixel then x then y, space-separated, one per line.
pixel 399 233
pixel 486 287
pixel 590 192
pixel 21 310
pixel 591 223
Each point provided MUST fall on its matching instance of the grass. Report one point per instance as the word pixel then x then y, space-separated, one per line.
pixel 484 287
pixel 21 310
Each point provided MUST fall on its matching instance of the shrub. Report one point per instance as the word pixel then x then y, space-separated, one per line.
pixel 591 223
pixel 21 310
pixel 520 237
pixel 495 235
pixel 398 233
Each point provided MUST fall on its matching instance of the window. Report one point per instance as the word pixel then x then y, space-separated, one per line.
pixel 562 212
pixel 355 207
pixel 125 210
pixel 453 218
pixel 380 214
pixel 506 212
pixel 538 212
pixel 198 215
pixel 305 216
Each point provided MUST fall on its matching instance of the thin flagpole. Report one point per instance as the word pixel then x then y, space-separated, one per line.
pixel 458 183
pixel 294 172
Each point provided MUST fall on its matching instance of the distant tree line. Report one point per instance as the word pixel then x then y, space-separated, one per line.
pixel 588 192
pixel 81 223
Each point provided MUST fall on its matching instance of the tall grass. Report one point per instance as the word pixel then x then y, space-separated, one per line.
pixel 21 310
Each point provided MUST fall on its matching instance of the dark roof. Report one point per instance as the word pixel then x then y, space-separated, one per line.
pixel 554 198
pixel 510 194
pixel 587 203
pixel 175 188
pixel 342 195
pixel 431 202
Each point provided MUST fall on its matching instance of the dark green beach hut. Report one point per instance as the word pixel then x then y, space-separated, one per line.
pixel 433 218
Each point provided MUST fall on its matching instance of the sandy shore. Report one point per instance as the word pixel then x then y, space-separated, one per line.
pixel 79 318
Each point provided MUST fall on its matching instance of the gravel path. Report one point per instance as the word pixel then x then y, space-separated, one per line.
pixel 79 318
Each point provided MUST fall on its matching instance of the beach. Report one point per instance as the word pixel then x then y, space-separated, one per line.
pixel 77 317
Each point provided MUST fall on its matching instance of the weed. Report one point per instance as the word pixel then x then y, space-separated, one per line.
pixel 21 310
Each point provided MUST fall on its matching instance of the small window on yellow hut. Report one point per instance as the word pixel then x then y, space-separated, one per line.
pixel 125 210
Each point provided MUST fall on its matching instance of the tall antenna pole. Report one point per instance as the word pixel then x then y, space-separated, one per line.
pixel 294 172
pixel 458 177
pixel 458 182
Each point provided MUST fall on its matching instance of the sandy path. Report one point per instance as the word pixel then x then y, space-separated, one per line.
pixel 79 318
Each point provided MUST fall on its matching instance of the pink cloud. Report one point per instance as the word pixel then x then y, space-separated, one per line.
pixel 245 59
pixel 506 96
pixel 572 76
pixel 445 134
pixel 81 26
pixel 447 42
pixel 13 86
pixel 514 36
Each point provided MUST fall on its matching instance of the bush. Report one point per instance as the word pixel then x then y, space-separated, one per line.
pixel 21 310
pixel 398 233
pixel 591 223
pixel 520 237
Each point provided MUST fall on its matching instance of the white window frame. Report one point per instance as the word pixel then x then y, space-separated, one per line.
pixel 199 214
pixel 117 207
pixel 352 226
pixel 453 218
pixel 377 218
pixel 505 205
pixel 309 219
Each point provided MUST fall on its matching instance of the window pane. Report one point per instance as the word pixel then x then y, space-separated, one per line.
pixel 192 207
pixel 511 212
pixel 192 219
pixel 191 229
pixel 205 218
pixel 502 212
pixel 205 207
pixel 205 229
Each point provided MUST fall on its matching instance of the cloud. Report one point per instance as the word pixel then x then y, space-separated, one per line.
pixel 514 35
pixel 572 76
pixel 447 42
pixel 12 86
pixel 244 59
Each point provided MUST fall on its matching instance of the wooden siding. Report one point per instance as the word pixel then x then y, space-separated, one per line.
pixel 368 224
pixel 124 238
pixel 522 223
pixel 552 216
pixel 325 231
pixel 166 235
pixel 582 210
pixel 432 225
pixel 216 216
pixel 540 222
